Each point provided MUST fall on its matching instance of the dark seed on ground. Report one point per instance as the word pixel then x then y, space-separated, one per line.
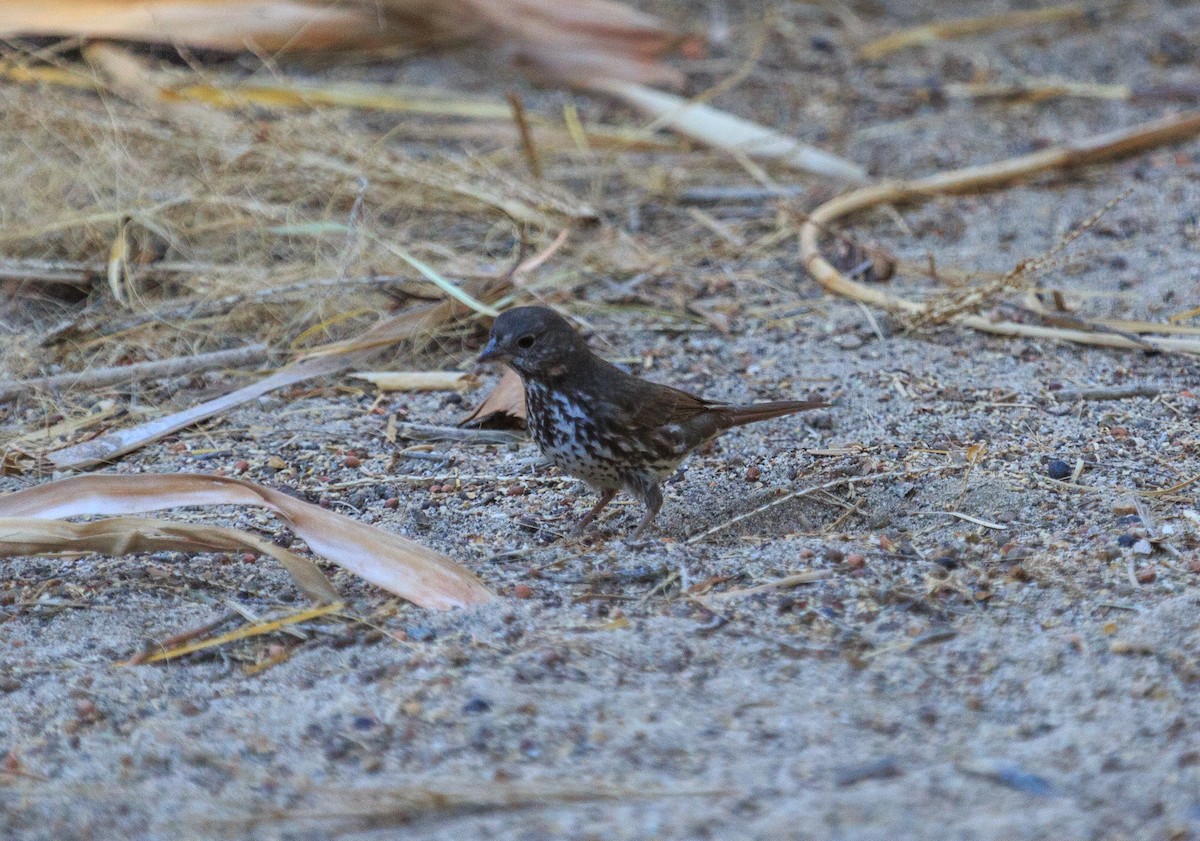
pixel 419 633
pixel 476 705
pixel 1058 469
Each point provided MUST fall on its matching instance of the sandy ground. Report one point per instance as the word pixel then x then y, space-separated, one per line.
pixel 1033 676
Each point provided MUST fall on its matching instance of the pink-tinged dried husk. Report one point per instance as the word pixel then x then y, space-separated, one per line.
pixel 230 25
pixel 504 405
pixel 123 535
pixel 396 564
pixel 565 41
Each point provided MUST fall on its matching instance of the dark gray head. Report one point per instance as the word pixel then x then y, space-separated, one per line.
pixel 536 341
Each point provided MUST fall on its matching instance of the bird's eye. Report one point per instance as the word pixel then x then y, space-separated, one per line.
pixel 525 342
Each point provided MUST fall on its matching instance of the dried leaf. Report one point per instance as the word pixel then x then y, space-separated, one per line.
pixel 123 535
pixel 229 25
pixel 396 564
pixel 504 407
pixel 568 41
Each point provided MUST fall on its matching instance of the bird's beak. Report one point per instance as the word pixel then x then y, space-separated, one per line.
pixel 490 352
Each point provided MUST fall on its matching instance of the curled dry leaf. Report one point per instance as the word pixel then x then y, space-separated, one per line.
pixel 123 535
pixel 568 41
pixel 503 408
pixel 396 564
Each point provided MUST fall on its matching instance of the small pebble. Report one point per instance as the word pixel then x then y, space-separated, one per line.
pixel 1126 540
pixel 241 466
pixel 419 633
pixel 391 502
pixel 1146 575
pixel 352 461
pixel 1058 469
pixel 753 474
pixel 523 591
pixel 822 44
pixel 516 490
pixel 476 705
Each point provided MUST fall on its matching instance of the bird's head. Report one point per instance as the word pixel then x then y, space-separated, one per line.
pixel 536 341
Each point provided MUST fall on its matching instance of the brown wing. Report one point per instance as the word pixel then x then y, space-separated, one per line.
pixel 660 405
pixel 640 405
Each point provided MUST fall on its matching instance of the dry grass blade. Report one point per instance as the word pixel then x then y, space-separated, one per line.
pixel 46 437
pixel 721 130
pixel 124 535
pixel 98 377
pixel 808 577
pixel 449 287
pixel 255 630
pixel 396 564
pixel 493 116
pixel 982 179
pixel 418 380
pixel 972 299
pixel 415 323
pixel 132 79
pixel 967 27
pixel 110 446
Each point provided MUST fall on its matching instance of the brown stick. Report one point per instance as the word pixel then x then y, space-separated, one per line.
pixel 173 367
pixel 979 179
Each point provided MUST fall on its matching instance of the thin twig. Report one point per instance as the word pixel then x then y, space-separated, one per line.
pixel 1114 393
pixel 429 432
pixel 981 179
pixel 807 577
pixel 836 483
pixel 173 367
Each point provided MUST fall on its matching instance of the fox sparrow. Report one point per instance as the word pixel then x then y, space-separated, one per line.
pixel 604 426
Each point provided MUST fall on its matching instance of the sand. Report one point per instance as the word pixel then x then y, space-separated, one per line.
pixel 991 655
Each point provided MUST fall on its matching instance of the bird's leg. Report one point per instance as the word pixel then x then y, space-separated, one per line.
pixel 652 496
pixel 606 496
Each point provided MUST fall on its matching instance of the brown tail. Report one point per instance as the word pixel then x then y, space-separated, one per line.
pixel 741 415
